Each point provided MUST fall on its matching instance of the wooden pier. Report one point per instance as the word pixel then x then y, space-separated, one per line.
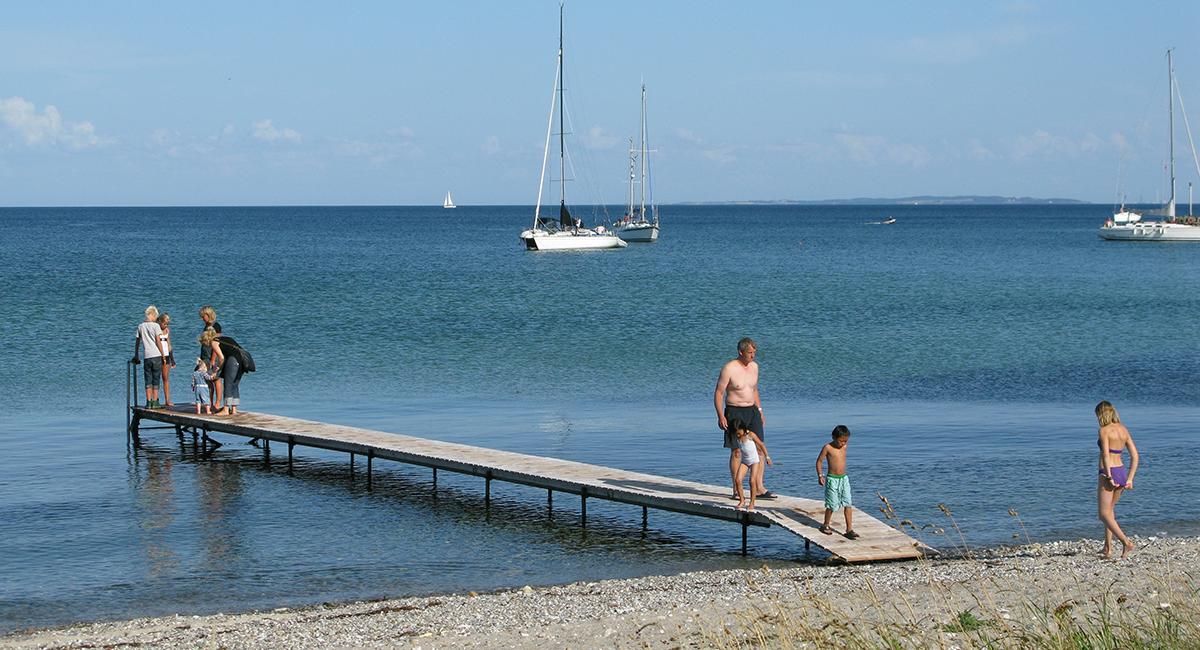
pixel 800 516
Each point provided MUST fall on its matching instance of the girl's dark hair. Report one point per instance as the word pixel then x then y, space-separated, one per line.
pixel 839 431
pixel 736 424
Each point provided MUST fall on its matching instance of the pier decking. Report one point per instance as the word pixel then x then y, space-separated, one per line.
pixel 800 516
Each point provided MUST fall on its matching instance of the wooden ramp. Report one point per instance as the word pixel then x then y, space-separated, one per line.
pixel 800 516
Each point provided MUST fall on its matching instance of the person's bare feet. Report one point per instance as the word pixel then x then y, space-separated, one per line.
pixel 221 412
pixel 1106 553
pixel 1126 547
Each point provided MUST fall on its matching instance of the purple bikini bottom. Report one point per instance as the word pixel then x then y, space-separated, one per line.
pixel 1119 477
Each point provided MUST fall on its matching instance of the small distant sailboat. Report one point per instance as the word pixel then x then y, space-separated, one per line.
pixel 1127 225
pixel 889 221
pixel 566 232
pixel 449 202
pixel 635 226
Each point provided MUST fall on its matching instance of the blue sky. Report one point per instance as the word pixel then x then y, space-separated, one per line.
pixel 393 103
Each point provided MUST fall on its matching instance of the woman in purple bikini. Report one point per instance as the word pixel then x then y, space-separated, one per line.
pixel 1113 481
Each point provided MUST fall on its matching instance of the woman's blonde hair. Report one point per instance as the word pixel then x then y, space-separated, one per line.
pixel 1106 414
pixel 208 314
pixel 152 312
pixel 208 336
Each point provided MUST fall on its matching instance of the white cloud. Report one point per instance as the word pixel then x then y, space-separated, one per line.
pixel 491 145
pixel 873 149
pixel 267 132
pixel 381 151
pixel 957 48
pixel 688 136
pixel 47 127
pixel 726 154
pixel 976 150
pixel 596 138
pixel 1041 143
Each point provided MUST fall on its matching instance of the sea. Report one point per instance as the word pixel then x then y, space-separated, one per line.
pixel 964 346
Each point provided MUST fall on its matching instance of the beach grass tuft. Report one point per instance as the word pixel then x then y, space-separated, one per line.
pixel 982 612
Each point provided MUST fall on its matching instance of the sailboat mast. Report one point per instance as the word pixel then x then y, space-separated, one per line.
pixel 1171 128
pixel 642 136
pixel 562 124
pixel 632 177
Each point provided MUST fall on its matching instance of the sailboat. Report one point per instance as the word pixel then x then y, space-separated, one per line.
pixel 635 226
pixel 1128 225
pixel 566 232
pixel 449 202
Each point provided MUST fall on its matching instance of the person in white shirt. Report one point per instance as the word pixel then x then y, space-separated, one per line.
pixel 149 337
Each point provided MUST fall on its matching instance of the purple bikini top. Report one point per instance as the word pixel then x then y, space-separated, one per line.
pixel 1111 451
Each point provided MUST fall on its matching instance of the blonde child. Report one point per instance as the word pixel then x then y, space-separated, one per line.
pixel 751 446
pixel 200 380
pixel 837 484
pixel 168 362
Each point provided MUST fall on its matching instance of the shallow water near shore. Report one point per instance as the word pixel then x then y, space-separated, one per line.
pixel 963 346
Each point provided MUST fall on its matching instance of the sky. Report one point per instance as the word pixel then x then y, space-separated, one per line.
pixel 394 103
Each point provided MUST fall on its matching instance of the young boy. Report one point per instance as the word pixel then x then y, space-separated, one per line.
pixel 837 484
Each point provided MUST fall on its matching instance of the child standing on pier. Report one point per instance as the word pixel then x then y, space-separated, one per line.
pixel 201 379
pixel 750 445
pixel 837 484
pixel 168 361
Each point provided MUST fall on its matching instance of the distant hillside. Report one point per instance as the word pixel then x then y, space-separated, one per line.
pixel 907 200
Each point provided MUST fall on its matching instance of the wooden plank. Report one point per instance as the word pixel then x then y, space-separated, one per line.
pixel 797 515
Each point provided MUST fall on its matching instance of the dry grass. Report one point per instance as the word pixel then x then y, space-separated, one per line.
pixel 1056 605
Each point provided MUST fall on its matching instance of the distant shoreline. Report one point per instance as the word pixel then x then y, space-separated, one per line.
pixel 905 200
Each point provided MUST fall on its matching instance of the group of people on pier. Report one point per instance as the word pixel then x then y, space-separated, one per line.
pixel 216 373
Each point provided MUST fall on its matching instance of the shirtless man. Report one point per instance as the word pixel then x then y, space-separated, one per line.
pixel 736 396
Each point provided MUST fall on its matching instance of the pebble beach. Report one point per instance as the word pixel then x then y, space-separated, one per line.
pixel 1005 594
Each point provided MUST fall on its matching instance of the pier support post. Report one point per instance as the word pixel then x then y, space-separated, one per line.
pixel 267 445
pixel 370 458
pixel 583 507
pixel 645 517
pixel 487 490
pixel 179 431
pixel 351 465
pixel 291 444
pixel 745 528
pixel 435 479
pixel 807 544
pixel 134 423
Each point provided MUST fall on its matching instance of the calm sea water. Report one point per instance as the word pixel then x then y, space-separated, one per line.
pixel 963 346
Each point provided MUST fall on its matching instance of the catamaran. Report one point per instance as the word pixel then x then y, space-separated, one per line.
pixel 449 202
pixel 635 226
pixel 1128 225
pixel 566 232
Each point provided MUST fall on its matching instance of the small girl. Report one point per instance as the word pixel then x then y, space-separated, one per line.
pixel 164 322
pixel 750 446
pixel 200 381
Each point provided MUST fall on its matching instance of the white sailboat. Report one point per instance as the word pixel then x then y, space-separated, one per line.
pixel 635 226
pixel 1127 225
pixel 565 232
pixel 449 202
